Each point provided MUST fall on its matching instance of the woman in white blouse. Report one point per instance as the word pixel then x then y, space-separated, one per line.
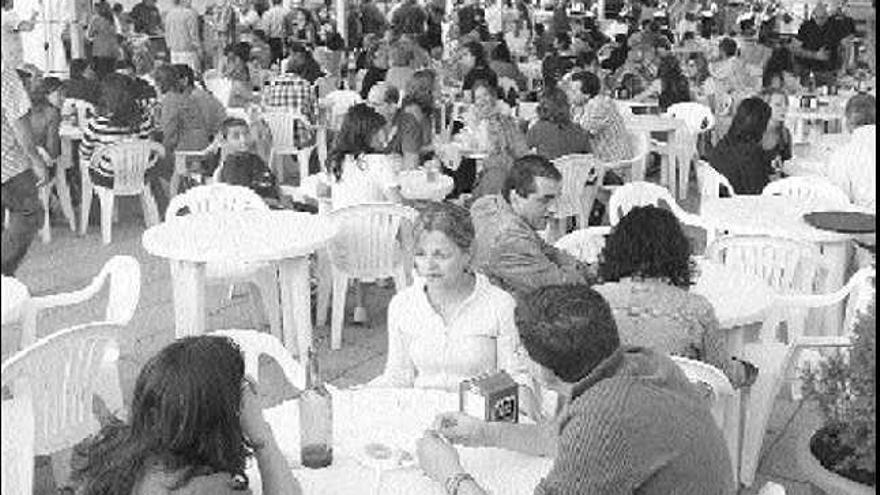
pixel 362 173
pixel 451 324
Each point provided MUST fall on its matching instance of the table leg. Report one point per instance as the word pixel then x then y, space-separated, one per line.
pixel 188 280
pixel 296 305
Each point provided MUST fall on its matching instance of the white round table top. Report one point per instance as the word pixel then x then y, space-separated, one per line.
pixel 15 294
pixel 395 418
pixel 768 215
pixel 414 185
pixel 737 298
pixel 252 235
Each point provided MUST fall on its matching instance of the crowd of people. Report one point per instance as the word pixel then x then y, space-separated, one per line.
pixel 491 294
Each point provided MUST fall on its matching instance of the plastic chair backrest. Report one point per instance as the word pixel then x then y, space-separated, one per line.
pixel 17 450
pixel 584 244
pixel 697 117
pixel 370 239
pixel 639 193
pixel 699 372
pixel 281 125
pixel 213 198
pixel 787 266
pixel 253 344
pixel 61 374
pixel 641 146
pixel 711 181
pixel 130 159
pixel 124 273
pixel 815 190
pixel 577 195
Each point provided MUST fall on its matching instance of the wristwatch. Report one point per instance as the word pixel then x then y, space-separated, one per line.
pixel 454 482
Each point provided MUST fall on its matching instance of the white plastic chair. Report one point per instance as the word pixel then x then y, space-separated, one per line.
pixel 584 244
pixel 254 344
pixel 710 182
pixel 775 360
pixel 699 121
pixel 816 190
pixel 263 276
pixel 17 446
pixel 59 184
pixel 723 401
pixel 581 177
pixel 220 87
pixel 338 102
pixel 633 194
pixel 130 160
pixel 373 241
pixel 281 125
pixel 124 276
pixel 60 375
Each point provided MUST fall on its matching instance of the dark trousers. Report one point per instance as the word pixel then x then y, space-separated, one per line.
pixel 276 49
pixel 19 197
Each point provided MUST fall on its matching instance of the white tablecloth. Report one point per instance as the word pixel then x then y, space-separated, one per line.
pixel 395 417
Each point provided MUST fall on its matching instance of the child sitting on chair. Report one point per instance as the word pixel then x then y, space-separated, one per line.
pixel 242 167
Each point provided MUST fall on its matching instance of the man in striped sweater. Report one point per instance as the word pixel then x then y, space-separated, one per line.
pixel 633 422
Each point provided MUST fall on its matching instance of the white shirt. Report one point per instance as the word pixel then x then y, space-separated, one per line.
pixel 851 167
pixel 424 352
pixel 364 180
pixel 274 21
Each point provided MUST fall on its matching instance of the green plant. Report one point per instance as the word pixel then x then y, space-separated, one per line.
pixel 844 386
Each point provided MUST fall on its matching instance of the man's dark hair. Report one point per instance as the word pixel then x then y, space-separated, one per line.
pixel 568 329
pixel 521 177
pixel 728 47
pixel 590 84
pixel 231 122
pixel 185 72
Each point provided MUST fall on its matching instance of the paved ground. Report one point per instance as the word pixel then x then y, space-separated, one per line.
pixel 69 262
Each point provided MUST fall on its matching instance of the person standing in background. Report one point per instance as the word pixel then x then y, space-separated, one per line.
pixel 105 43
pixel 274 24
pixel 13 53
pixel 146 17
pixel 22 171
pixel 182 35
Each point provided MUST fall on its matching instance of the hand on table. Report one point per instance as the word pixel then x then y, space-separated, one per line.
pixel 462 429
pixel 437 458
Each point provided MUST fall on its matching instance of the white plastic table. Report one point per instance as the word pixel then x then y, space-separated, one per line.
pixel 783 217
pixel 190 242
pixel 397 418
pixel 682 147
pixel 414 185
pixel 14 296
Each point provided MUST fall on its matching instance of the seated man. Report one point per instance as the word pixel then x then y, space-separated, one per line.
pixel 633 423
pixel 851 167
pixel 508 248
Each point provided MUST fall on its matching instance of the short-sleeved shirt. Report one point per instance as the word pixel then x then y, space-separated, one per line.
pixel 16 105
pixel 554 140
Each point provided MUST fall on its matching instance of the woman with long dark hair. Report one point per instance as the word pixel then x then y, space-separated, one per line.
pixel 554 134
pixel 195 419
pixel 739 155
pixel 476 66
pixel 363 173
pixel 646 269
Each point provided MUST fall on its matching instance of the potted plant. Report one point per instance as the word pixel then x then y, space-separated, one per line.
pixel 839 457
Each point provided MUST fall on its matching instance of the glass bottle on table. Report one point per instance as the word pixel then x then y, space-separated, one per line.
pixel 315 419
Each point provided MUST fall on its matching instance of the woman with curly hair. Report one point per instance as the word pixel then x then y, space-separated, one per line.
pixel 363 173
pixel 647 270
pixel 195 419
pixel 554 134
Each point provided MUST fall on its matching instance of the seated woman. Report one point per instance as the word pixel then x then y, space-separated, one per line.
pixel 739 155
pixel 452 324
pixel 598 115
pixel 195 419
pixel 363 174
pixel 377 59
pixel 413 125
pixel 491 131
pixel 646 269
pixel 671 85
pixel 779 72
pixel 503 66
pixel 119 117
pixel 776 142
pixel 476 68
pixel 554 134
pixel 699 78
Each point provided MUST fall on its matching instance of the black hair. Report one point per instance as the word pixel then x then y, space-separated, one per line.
pixel 361 122
pixel 779 62
pixel 674 86
pixel 590 84
pixel 78 67
pixel 231 122
pixel 553 106
pixel 185 72
pixel 749 121
pixel 568 329
pixel 118 102
pixel 521 177
pixel 728 47
pixel 501 53
pixel 479 54
pixel 648 242
pixel 185 417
